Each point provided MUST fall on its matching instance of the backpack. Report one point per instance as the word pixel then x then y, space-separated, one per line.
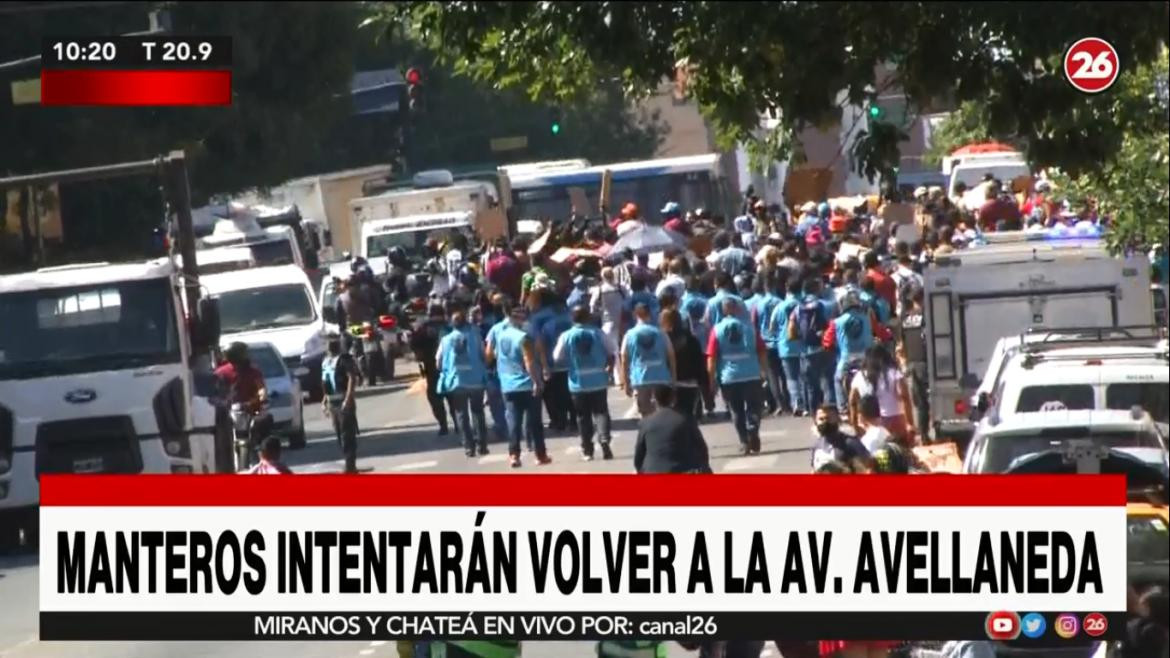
pixel 807 323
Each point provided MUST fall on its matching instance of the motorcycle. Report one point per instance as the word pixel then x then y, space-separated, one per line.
pixel 393 343
pixel 368 352
pixel 243 423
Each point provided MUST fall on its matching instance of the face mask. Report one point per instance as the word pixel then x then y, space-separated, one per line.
pixel 827 428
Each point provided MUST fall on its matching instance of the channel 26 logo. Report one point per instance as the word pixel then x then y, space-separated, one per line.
pixel 1002 625
pixel 1091 65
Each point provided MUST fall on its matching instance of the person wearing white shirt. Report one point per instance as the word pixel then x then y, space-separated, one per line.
pixel 674 280
pixel 905 278
pixel 875 435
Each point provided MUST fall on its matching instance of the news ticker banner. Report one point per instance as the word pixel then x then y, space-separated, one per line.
pixel 143 70
pixel 558 556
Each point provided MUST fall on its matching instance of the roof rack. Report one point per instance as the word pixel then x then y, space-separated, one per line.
pixel 1038 339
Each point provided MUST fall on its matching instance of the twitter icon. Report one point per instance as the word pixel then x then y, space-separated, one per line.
pixel 1033 625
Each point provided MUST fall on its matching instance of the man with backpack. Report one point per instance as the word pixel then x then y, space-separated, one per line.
pixel 762 311
pixel 806 326
pixel 851 334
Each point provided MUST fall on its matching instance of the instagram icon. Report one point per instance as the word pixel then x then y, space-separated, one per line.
pixel 1066 625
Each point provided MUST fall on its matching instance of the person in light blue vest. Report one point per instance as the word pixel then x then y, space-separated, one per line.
pixel 769 296
pixel 789 350
pixel 462 378
pixel 725 289
pixel 647 360
pixel 851 333
pixel 734 355
pixel 584 350
pixel 521 380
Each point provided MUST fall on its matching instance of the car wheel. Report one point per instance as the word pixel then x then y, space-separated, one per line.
pixel 296 440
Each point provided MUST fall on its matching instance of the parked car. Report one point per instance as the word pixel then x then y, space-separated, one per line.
pixel 285 399
pixel 996 446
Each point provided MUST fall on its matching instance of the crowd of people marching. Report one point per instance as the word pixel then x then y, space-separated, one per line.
pixel 815 314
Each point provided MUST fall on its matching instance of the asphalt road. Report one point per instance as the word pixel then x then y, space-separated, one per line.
pixel 399 435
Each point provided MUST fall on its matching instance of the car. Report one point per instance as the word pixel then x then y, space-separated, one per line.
pixel 1038 356
pixel 285 401
pixel 1101 375
pixel 274 305
pixel 997 446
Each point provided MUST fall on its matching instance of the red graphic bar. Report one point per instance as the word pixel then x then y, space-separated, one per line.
pixel 97 87
pixel 602 490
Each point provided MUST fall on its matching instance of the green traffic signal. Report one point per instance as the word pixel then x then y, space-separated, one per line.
pixel 556 129
pixel 875 111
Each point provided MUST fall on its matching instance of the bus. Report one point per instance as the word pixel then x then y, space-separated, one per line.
pixel 692 181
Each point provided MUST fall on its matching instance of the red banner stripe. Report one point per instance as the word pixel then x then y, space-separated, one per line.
pixel 553 489
pixel 111 87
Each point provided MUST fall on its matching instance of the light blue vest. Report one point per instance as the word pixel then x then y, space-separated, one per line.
pixel 737 360
pixel 854 335
pixel 462 365
pixel 765 306
pixel 510 360
pixel 781 316
pixel 586 358
pixel 646 351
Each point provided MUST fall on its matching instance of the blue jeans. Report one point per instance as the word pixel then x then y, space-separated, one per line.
pixel 794 377
pixel 467 403
pixel 523 412
pixel 776 383
pixel 818 379
pixel 743 400
pixel 495 401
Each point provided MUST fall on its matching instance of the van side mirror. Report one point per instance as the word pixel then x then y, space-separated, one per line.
pixel 208 325
pixel 329 314
pixel 969 381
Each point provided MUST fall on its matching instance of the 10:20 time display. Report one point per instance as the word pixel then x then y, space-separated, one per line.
pixel 151 51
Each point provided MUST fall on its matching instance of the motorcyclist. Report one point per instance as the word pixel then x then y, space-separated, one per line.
pixel 355 306
pixel 245 386
pixel 398 268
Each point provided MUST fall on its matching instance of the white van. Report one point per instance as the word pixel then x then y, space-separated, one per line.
pixel 976 296
pixel 1110 371
pixel 409 233
pixel 274 305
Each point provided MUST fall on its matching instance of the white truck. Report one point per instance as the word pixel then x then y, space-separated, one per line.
pixel 99 374
pixel 1020 281
pixel 477 198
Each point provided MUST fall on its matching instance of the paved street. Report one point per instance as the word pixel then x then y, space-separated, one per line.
pixel 399 436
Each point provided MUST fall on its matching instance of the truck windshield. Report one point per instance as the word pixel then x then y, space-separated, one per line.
pixel 109 326
pixel 270 307
pixel 276 252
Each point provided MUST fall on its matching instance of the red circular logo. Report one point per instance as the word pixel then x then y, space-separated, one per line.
pixel 1091 65
pixel 1095 624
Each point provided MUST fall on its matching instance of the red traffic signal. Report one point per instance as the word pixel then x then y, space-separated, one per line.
pixel 413 77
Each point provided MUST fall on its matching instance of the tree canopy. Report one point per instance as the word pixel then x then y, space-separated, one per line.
pixel 791 59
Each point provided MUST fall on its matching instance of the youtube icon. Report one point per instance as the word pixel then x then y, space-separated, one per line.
pixel 1003 625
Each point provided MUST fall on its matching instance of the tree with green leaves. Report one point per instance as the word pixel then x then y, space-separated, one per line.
pixel 792 59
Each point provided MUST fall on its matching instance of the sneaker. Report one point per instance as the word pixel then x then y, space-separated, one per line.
pixel 514 460
pixel 470 453
pixel 754 444
pixel 606 453
pixel 543 460
pixel 587 457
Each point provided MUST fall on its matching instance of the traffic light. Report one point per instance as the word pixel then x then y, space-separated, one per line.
pixel 414 89
pixel 875 112
pixel 554 121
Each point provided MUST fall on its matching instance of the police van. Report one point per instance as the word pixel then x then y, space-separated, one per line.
pixel 1016 281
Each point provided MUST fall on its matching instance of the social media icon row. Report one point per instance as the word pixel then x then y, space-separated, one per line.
pixel 1004 625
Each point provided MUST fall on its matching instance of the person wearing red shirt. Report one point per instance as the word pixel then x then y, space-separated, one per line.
pixel 503 270
pixel 245 385
pixel 883 283
pixel 997 211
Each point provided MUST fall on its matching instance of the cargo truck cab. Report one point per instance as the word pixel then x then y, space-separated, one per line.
pixel 97 376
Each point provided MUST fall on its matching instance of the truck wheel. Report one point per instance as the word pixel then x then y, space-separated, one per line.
pixel 296 440
pixel 9 537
